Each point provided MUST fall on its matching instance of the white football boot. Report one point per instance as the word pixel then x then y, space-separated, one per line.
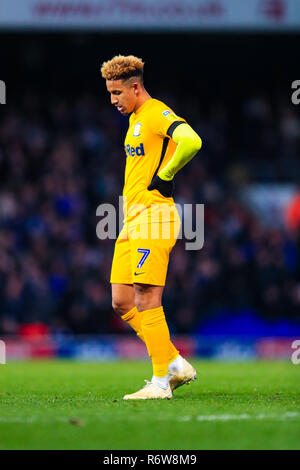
pixel 150 391
pixel 187 375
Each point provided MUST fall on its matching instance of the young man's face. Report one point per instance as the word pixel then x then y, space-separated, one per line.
pixel 123 94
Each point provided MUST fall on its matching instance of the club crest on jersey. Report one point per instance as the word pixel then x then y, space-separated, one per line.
pixel 170 115
pixel 136 132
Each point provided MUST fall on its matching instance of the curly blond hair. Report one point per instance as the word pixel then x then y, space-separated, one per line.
pixel 122 67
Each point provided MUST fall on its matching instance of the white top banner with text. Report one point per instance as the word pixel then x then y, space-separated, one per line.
pixel 170 15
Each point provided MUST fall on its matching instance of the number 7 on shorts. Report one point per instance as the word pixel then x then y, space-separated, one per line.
pixel 144 257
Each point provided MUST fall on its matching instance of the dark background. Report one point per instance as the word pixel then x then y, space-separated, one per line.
pixel 176 61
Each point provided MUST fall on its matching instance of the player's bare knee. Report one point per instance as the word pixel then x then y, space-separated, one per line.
pixel 121 307
pixel 140 305
pixel 141 296
pixel 146 297
pixel 146 305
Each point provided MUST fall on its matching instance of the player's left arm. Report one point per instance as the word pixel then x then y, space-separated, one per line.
pixel 188 144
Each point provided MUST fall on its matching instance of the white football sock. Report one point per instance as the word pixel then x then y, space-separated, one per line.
pixel 177 365
pixel 162 382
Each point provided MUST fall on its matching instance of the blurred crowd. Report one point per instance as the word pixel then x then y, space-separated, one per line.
pixel 61 157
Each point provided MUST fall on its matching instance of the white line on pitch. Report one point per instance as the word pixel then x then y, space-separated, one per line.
pixel 200 418
pixel 243 416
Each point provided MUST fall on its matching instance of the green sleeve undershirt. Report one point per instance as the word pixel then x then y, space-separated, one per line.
pixel 188 144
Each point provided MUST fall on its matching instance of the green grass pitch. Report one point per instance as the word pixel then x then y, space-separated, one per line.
pixel 78 405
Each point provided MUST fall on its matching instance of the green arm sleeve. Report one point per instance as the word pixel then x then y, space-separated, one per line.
pixel 188 144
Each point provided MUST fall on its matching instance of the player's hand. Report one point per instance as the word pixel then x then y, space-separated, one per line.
pixel 165 188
